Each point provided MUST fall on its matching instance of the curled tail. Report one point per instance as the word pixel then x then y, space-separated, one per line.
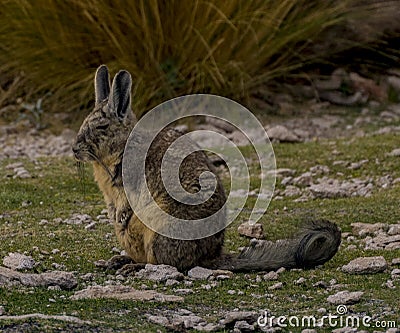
pixel 317 243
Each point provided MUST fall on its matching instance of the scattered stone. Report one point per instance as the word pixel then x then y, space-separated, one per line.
pixel 242 326
pixel 224 273
pixel 382 241
pixel 2 310
pixel 18 261
pixel 65 280
pixel 291 191
pixel 321 284
pixel 394 153
pixel 362 229
pixel 394 230
pixel 304 179
pixel 123 293
pixel 159 320
pixel 171 282
pixel 270 276
pixel 395 273
pixel 254 230
pixel 366 265
pixel 78 218
pixel 309 330
pixel 282 172
pixel 396 261
pixel 200 273
pixel 234 316
pixel 319 169
pixel 334 188
pixel 276 286
pixel 357 165
pixel 346 330
pixel 91 226
pixel 159 273
pixel 389 284
pixel 282 134
pixel 300 281
pixel 281 270
pixel 26 317
pixel 184 291
pixel 345 297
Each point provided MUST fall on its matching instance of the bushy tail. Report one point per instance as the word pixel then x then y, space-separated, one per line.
pixel 317 243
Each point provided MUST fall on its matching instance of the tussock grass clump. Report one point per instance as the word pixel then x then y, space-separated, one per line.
pixel 170 47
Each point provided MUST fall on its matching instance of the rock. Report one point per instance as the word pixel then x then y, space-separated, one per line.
pixel 159 320
pixel 282 134
pixel 304 179
pixel 394 230
pixel 395 273
pixel 282 172
pixel 65 280
pixel 394 153
pixel 123 293
pixel 171 282
pixel 251 230
pixel 291 191
pixel 234 316
pixel 200 273
pixel 242 326
pixel 361 229
pixel 276 286
pixel 18 261
pixel 383 242
pixel 345 297
pixel 319 169
pixel 366 265
pixel 396 261
pixel 300 281
pixel 183 291
pixel 2 310
pixel 357 165
pixel 270 276
pixel 327 191
pixel 159 273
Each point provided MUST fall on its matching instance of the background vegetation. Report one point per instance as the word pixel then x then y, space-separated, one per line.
pixel 170 47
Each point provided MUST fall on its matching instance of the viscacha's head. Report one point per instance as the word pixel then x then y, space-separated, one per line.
pixel 105 130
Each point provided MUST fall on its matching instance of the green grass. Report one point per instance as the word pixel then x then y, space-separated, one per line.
pixel 170 47
pixel 57 191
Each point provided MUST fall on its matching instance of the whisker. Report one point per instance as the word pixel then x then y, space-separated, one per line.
pixel 81 174
pixel 101 163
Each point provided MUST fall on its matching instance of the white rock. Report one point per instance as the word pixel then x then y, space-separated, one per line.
pixel 345 297
pixel 18 261
pixel 159 273
pixel 200 273
pixel 366 265
pixel 282 134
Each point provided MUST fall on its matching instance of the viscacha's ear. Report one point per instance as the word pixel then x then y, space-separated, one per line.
pixel 119 100
pixel 102 84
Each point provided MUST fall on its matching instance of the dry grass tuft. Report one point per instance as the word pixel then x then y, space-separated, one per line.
pixel 170 47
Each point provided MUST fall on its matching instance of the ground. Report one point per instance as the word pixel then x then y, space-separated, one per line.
pixel 37 219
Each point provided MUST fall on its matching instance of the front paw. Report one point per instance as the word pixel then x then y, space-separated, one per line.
pixel 123 217
pixel 114 263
